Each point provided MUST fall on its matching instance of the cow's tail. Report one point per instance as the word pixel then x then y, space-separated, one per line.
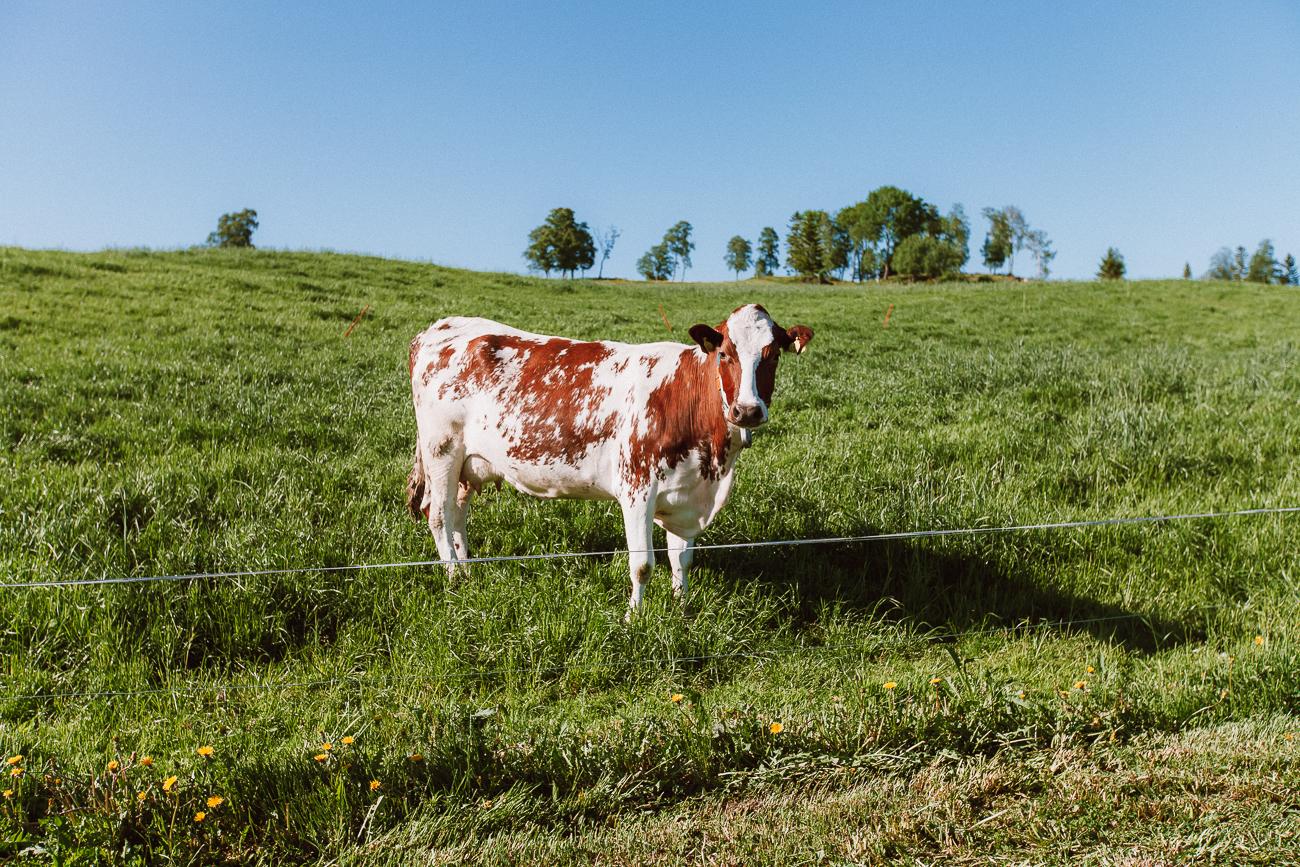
pixel 415 486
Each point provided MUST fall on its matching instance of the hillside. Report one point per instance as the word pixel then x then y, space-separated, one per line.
pixel 1057 695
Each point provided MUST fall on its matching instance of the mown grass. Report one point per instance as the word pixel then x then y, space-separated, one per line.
pixel 197 411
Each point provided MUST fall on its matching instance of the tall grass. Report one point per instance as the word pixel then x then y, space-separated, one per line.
pixel 202 411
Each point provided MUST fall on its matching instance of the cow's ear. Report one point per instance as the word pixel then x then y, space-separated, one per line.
pixel 797 338
pixel 707 337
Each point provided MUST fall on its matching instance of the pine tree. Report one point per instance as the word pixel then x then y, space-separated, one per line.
pixel 1289 274
pixel 769 253
pixel 1112 266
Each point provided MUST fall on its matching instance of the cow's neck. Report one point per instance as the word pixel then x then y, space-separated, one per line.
pixel 717 443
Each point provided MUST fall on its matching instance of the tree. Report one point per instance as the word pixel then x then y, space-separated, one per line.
pixel 1222 266
pixel 561 244
pixel 1041 249
pixel 657 263
pixel 1112 266
pixel 1239 263
pixel 738 255
pixel 882 221
pixel 606 244
pixel 680 245
pixel 1289 275
pixel 234 230
pixel 927 256
pixel 1187 270
pixel 1263 264
pixel 769 253
pixel 809 250
pixel 955 229
pixel 997 243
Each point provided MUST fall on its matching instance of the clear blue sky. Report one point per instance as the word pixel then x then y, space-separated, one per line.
pixel 447 131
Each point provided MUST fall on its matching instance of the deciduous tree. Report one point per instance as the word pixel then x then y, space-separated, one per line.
pixel 997 243
pixel 656 263
pixel 606 243
pixel 1223 266
pixel 680 245
pixel 234 230
pixel 738 255
pixel 561 244
pixel 882 221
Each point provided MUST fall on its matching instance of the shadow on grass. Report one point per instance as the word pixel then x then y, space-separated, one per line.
pixel 914 580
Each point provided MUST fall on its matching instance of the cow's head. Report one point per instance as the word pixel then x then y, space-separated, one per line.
pixel 745 350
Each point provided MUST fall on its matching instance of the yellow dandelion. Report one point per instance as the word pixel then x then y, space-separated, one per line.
pixel 934 681
pixel 416 757
pixel 215 801
pixel 200 816
pixel 374 785
pixel 320 757
pixel 13 760
pixel 889 684
pixel 1259 639
pixel 1080 684
pixel 1289 736
pixel 140 796
pixel 1091 670
pixel 346 740
pixel 205 751
pixel 1223 694
pixel 113 765
pixel 327 747
pixel 169 783
pixel 16 772
pixel 487 804
pixel 776 728
pixel 1020 694
pixel 676 698
pixel 9 793
pixel 147 761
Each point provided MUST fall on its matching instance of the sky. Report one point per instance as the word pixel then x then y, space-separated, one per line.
pixel 446 131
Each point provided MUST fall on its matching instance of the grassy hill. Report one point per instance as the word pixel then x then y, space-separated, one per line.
pixel 200 411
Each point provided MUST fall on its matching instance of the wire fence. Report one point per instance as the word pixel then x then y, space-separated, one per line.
pixel 719 546
pixel 551 670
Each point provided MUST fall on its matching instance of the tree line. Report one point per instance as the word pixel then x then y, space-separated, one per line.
pixel 1262 266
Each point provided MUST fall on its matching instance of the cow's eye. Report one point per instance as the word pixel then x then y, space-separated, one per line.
pixel 722 355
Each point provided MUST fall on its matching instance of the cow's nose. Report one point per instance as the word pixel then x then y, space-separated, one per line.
pixel 747 415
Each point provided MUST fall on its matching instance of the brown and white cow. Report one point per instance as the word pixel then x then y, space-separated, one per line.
pixel 655 426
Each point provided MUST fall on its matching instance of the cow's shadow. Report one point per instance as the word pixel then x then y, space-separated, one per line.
pixel 923 582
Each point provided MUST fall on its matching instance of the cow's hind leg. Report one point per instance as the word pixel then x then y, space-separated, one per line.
pixel 638 521
pixel 442 463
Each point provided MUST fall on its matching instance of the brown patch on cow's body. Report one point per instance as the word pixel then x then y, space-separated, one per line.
pixel 414 351
pixel 683 415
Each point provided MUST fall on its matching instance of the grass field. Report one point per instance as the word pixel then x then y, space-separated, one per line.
pixel 165 413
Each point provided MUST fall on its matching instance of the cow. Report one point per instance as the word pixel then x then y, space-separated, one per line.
pixel 657 427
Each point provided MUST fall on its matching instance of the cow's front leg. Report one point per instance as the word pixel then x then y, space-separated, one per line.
pixel 680 553
pixel 638 521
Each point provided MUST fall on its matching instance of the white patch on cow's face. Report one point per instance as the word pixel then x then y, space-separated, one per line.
pixel 751 331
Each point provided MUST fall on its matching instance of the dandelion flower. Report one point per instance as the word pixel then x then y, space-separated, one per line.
pixel 416 757
pixel 1091 670
pixel 140 796
pixel 200 816
pixel 346 740
pixel 1080 684
pixel 776 728
pixel 1020 694
pixel 934 681
pixel 320 757
pixel 147 761
pixel 1259 639
pixel 487 804
pixel 113 765
pixel 676 698
pixel 374 785
pixel 9 793
pixel 169 783
pixel 13 760
pixel 215 801
pixel 206 752
pixel 1289 736
pixel 327 746
pixel 16 772
pixel 890 684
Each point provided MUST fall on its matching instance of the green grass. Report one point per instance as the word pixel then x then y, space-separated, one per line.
pixel 166 413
